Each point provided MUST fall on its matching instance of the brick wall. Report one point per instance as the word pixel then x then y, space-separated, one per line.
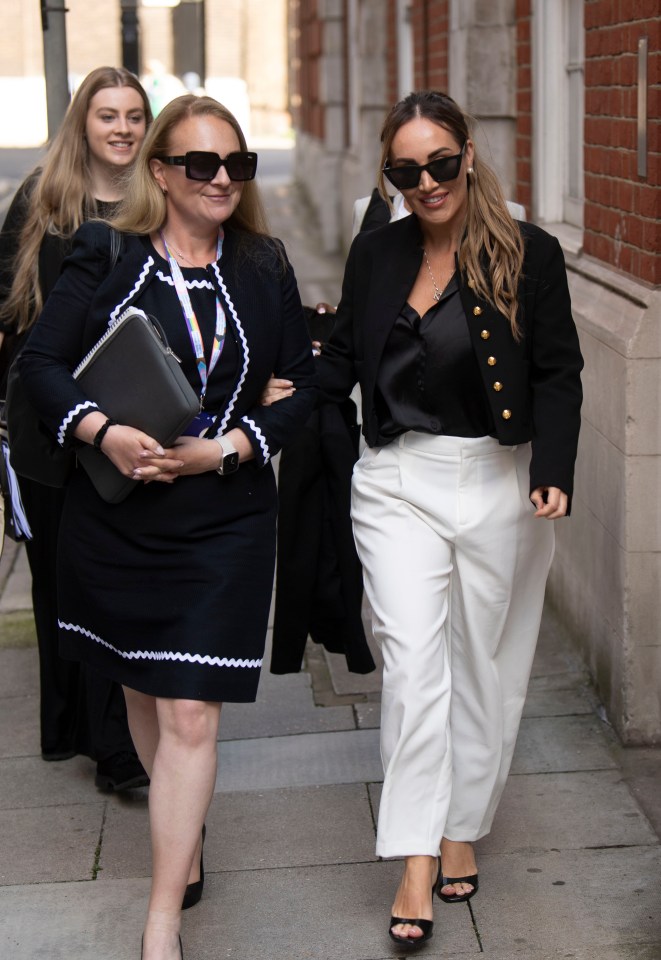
pixel 523 182
pixel 621 208
pixel 310 49
pixel 430 20
pixel 391 52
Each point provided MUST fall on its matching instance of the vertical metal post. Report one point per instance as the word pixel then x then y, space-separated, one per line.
pixel 56 74
pixel 130 36
pixel 642 107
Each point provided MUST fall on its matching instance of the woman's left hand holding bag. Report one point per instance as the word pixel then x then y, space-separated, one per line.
pixel 128 449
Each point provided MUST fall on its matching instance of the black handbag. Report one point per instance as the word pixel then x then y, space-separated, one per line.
pixel 135 378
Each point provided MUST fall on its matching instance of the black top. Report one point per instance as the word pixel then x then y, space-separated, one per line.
pixel 532 384
pixel 428 378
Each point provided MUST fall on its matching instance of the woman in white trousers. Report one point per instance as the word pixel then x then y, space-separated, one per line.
pixel 456 321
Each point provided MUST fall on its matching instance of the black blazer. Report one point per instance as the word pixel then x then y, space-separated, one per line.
pixel 262 306
pixel 533 386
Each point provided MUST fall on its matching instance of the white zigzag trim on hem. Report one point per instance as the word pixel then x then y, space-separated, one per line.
pixel 191 284
pixel 246 351
pixel 61 433
pixel 149 262
pixel 161 654
pixel 260 436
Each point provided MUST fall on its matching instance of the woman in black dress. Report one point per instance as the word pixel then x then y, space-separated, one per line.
pixel 81 177
pixel 168 592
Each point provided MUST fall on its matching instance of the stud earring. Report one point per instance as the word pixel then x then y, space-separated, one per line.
pixel 470 171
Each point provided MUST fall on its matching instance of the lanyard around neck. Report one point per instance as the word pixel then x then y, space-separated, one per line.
pixel 191 320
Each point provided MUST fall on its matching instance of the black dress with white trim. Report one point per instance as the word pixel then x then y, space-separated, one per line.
pixel 169 591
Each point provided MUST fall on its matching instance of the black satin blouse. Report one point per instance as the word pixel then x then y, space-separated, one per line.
pixel 428 377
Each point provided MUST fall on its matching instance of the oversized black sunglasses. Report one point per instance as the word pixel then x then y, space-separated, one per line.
pixel 203 165
pixel 409 174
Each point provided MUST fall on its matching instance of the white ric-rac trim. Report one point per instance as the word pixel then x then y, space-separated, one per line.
pixel 246 351
pixel 161 654
pixel 260 436
pixel 149 262
pixel 191 284
pixel 61 433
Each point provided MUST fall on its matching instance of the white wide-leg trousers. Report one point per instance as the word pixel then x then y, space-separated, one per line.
pixel 455 568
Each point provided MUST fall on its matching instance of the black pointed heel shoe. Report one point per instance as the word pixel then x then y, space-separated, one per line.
pixel 427 926
pixel 456 897
pixel 193 892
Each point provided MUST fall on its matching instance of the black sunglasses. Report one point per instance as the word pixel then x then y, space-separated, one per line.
pixel 409 174
pixel 203 165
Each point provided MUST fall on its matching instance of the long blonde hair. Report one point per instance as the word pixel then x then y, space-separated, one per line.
pixel 143 209
pixel 61 197
pixel 490 232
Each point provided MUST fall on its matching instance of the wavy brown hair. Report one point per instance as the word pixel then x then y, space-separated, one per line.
pixel 491 247
pixel 143 209
pixel 61 196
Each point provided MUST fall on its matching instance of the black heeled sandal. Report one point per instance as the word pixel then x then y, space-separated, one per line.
pixel 427 926
pixel 456 897
pixel 193 892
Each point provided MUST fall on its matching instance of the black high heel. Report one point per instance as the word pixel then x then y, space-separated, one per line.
pixel 427 926
pixel 193 892
pixel 455 897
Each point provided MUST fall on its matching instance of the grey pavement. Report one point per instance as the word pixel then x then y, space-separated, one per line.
pixel 571 869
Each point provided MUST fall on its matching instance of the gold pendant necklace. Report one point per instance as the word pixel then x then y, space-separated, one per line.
pixel 438 293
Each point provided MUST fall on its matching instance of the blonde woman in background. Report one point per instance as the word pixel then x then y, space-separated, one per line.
pixel 81 177
pixel 456 321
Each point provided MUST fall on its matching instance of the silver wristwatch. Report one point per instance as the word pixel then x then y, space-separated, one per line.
pixel 229 456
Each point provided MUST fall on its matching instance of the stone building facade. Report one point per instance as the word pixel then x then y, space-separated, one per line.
pixel 566 96
pixel 245 55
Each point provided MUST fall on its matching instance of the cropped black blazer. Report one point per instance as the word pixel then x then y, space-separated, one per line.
pixel 533 385
pixel 263 309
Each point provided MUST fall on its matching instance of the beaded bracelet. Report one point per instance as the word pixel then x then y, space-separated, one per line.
pixel 98 439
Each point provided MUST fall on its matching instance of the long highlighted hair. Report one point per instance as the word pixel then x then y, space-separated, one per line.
pixel 143 209
pixel 491 247
pixel 61 195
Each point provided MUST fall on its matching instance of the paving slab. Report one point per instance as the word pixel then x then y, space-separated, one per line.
pixel 307 760
pixel 368 715
pixel 43 846
pixel 336 913
pixel 567 811
pixel 74 921
pixel 287 828
pixel 19 726
pixel 19 676
pixel 284 707
pixel 578 898
pixel 556 744
pixel 30 782
pixel 621 951
pixel 574 701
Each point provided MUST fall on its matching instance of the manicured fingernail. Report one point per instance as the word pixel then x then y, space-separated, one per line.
pixel 137 474
pixel 160 451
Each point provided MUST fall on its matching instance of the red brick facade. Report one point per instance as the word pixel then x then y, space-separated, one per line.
pixel 310 47
pixel 430 36
pixel 621 208
pixel 523 188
